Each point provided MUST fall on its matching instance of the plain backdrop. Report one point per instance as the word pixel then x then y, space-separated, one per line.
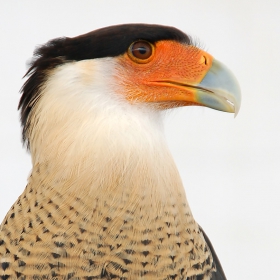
pixel 230 166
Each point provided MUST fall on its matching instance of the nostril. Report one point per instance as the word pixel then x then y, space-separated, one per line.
pixel 204 60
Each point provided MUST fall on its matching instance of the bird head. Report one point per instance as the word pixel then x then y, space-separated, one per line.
pixel 132 64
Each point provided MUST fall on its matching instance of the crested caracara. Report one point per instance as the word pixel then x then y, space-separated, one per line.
pixel 104 199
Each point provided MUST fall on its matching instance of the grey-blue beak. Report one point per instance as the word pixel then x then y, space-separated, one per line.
pixel 219 89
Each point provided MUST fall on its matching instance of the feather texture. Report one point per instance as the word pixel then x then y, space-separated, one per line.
pixel 104 199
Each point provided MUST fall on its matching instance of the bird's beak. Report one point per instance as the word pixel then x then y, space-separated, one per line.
pixel 215 87
pixel 219 89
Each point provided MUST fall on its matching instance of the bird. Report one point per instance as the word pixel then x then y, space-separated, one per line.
pixel 104 199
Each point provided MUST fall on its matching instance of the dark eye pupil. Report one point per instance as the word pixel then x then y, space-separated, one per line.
pixel 142 50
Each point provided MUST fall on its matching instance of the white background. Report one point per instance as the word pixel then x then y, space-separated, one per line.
pixel 230 167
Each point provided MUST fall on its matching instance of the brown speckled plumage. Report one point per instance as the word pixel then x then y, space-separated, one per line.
pixel 49 234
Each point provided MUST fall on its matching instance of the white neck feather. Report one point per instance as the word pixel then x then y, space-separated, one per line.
pixel 91 140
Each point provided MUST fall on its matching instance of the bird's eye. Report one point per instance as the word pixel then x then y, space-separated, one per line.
pixel 141 51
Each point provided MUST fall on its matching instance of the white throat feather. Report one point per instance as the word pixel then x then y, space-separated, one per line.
pixel 87 135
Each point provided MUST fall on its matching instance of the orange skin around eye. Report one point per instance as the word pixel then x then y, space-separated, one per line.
pixel 168 75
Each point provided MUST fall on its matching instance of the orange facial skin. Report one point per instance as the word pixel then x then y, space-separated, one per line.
pixel 169 75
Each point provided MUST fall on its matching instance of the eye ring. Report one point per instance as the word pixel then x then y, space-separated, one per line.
pixel 141 51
